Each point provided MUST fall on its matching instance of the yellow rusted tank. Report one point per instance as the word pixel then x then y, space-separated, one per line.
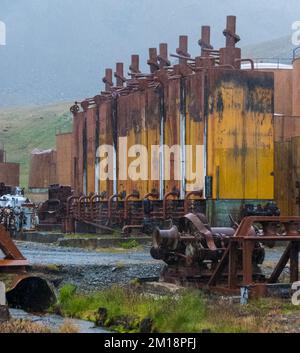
pixel 240 152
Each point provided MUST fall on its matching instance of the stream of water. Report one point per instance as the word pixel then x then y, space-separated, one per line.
pixel 54 322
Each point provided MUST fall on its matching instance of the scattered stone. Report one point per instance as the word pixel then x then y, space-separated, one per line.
pixel 102 317
pixel 2 294
pixel 146 325
pixel 4 313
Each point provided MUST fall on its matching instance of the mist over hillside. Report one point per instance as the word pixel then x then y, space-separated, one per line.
pixel 57 50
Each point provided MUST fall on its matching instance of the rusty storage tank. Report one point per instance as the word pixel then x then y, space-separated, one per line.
pixel 42 170
pixel 2 156
pixel 9 172
pixel 64 159
pixel 286 134
pixel 209 103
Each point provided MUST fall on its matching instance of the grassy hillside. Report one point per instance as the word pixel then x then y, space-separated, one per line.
pixel 22 130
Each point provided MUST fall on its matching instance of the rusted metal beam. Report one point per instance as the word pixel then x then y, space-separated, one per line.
pixel 248 247
pixel 183 50
pixel 163 57
pixel 8 247
pixel 204 42
pixel 119 75
pixel 230 32
pixel 152 62
pixel 281 265
pixel 294 262
pixel 135 64
pixel 108 80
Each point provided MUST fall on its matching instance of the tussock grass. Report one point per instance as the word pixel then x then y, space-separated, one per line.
pixel 189 312
pixel 22 326
pixel 68 327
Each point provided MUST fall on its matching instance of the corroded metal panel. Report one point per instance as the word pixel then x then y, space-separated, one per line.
pixel 240 134
pixel 195 129
pixel 172 136
pixel 106 138
pixel 78 152
pixel 42 169
pixel 91 153
pixel 153 116
pixel 64 158
pixel 10 174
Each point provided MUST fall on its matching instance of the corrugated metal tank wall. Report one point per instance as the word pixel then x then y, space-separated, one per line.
pixel 10 174
pixel 42 169
pixel 64 159
pixel 240 135
pixel 287 144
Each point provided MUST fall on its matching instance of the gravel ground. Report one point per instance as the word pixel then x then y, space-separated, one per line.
pixel 90 270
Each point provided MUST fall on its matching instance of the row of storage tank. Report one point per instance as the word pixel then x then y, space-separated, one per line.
pixel 242 121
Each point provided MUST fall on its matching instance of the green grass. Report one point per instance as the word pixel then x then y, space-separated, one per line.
pixel 24 129
pixel 189 312
pixel 130 244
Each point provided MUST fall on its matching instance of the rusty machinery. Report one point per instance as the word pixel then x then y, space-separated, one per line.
pixel 227 259
pixel 17 213
pixel 129 212
pixel 53 212
pixel 24 290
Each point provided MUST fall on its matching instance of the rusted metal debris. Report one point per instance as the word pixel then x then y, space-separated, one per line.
pixel 228 259
pixel 130 212
pixel 23 290
pixel 52 213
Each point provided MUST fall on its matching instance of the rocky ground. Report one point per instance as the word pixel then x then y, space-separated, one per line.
pixel 90 270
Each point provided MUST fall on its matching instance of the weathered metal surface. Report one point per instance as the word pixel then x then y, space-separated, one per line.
pixel 42 169
pixel 2 156
pixel 10 173
pixel 228 259
pixel 91 150
pixel 223 114
pixel 78 151
pixel 240 134
pixel 64 159
pixel 287 176
pixel 22 289
pixel 54 210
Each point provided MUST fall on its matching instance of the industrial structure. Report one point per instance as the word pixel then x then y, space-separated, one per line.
pixel 208 103
pixel 241 126
pixel 9 172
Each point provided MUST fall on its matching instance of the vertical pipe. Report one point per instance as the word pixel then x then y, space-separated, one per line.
pixel 97 143
pixel 183 48
pixel 163 53
pixel 85 176
pixel 135 64
pixel 115 143
pixel 205 40
pixel 161 143
pixel 183 137
pixel 231 29
pixel 119 74
pixel 153 60
pixel 108 79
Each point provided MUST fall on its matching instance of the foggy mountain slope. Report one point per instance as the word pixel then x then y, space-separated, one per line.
pixel 281 48
pixel 57 50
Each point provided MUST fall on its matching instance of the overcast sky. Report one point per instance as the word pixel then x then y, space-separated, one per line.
pixel 58 49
